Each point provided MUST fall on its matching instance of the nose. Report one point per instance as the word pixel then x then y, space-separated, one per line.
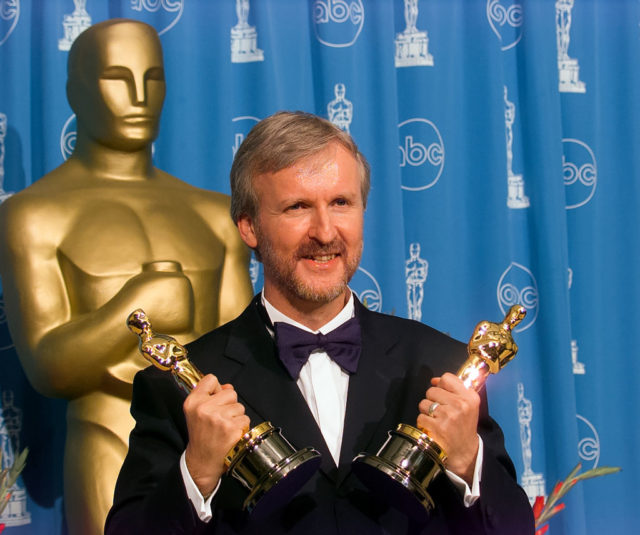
pixel 322 227
pixel 139 90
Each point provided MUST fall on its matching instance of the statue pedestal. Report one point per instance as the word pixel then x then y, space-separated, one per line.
pixel 517 198
pixel 569 76
pixel 244 45
pixel 16 513
pixel 533 485
pixel 412 50
pixel 73 25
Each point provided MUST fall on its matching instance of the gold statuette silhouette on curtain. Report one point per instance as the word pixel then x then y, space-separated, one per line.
pixel 102 234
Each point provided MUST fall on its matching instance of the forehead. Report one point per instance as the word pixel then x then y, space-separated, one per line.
pixel 130 45
pixel 331 167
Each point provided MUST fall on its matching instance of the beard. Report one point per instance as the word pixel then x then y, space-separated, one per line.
pixel 282 271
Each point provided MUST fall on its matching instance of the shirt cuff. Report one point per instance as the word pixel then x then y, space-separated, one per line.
pixel 202 506
pixel 470 495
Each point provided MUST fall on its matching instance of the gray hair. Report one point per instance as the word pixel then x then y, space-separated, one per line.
pixel 276 143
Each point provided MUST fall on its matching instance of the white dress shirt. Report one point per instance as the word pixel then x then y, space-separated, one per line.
pixel 324 386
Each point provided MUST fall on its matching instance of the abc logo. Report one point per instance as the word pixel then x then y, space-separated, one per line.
pixel 158 13
pixel 337 23
pixel 421 154
pixel 241 126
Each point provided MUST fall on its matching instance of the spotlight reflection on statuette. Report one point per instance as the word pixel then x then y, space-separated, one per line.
pixel 263 461
pixel 409 460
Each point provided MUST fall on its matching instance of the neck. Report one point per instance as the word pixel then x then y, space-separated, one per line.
pixel 107 162
pixel 309 313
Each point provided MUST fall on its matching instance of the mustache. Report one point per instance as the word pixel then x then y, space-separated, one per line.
pixel 313 248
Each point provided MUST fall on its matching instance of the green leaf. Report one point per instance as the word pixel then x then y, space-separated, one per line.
pixel 550 508
pixel 9 476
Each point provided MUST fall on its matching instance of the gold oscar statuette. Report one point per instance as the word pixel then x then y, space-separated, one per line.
pixel 410 459
pixel 263 461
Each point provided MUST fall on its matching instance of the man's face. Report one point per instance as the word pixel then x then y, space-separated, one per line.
pixel 308 229
pixel 124 90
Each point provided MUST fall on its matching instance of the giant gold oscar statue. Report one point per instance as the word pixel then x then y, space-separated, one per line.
pixel 102 234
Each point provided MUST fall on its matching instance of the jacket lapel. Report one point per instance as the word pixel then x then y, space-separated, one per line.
pixel 267 390
pixel 369 387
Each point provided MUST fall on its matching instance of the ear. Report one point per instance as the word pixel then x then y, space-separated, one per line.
pixel 247 231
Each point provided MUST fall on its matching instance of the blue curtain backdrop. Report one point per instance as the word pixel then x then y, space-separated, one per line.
pixel 504 148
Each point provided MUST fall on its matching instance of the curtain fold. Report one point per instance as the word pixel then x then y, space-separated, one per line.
pixel 504 148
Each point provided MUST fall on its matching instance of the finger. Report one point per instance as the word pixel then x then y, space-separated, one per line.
pixel 222 397
pixel 452 383
pixel 206 388
pixel 208 385
pixel 244 423
pixel 231 411
pixel 425 424
pixel 431 427
pixel 442 396
pixel 429 407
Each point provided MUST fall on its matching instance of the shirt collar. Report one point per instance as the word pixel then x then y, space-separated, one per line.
pixel 344 315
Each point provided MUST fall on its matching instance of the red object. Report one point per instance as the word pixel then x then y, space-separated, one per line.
pixel 1 528
pixel 538 506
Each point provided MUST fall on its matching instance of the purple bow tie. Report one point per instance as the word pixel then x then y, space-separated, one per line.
pixel 343 345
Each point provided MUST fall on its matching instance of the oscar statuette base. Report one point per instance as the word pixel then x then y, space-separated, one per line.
pixel 270 468
pixel 402 470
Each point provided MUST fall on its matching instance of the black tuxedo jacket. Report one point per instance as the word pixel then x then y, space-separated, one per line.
pixel 399 357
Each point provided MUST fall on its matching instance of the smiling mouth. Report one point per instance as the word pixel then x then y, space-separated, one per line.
pixel 322 253
pixel 322 259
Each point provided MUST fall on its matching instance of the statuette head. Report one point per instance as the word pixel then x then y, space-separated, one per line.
pixel 493 342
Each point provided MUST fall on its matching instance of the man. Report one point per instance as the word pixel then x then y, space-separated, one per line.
pixel 102 234
pixel 299 189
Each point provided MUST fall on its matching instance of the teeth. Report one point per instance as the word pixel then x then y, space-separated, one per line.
pixel 324 258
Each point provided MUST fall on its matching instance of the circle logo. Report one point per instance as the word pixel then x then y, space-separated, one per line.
pixel 588 441
pixel 505 21
pixel 367 289
pixel 9 15
pixel 579 171
pixel 517 286
pixel 68 137
pixel 242 126
pixel 161 14
pixel 337 23
pixel 421 154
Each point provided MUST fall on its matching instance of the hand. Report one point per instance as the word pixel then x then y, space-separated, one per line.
pixel 165 296
pixel 453 424
pixel 215 422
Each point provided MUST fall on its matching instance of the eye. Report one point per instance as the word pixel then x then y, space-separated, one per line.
pixel 155 73
pixel 341 201
pixel 116 73
pixel 295 206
